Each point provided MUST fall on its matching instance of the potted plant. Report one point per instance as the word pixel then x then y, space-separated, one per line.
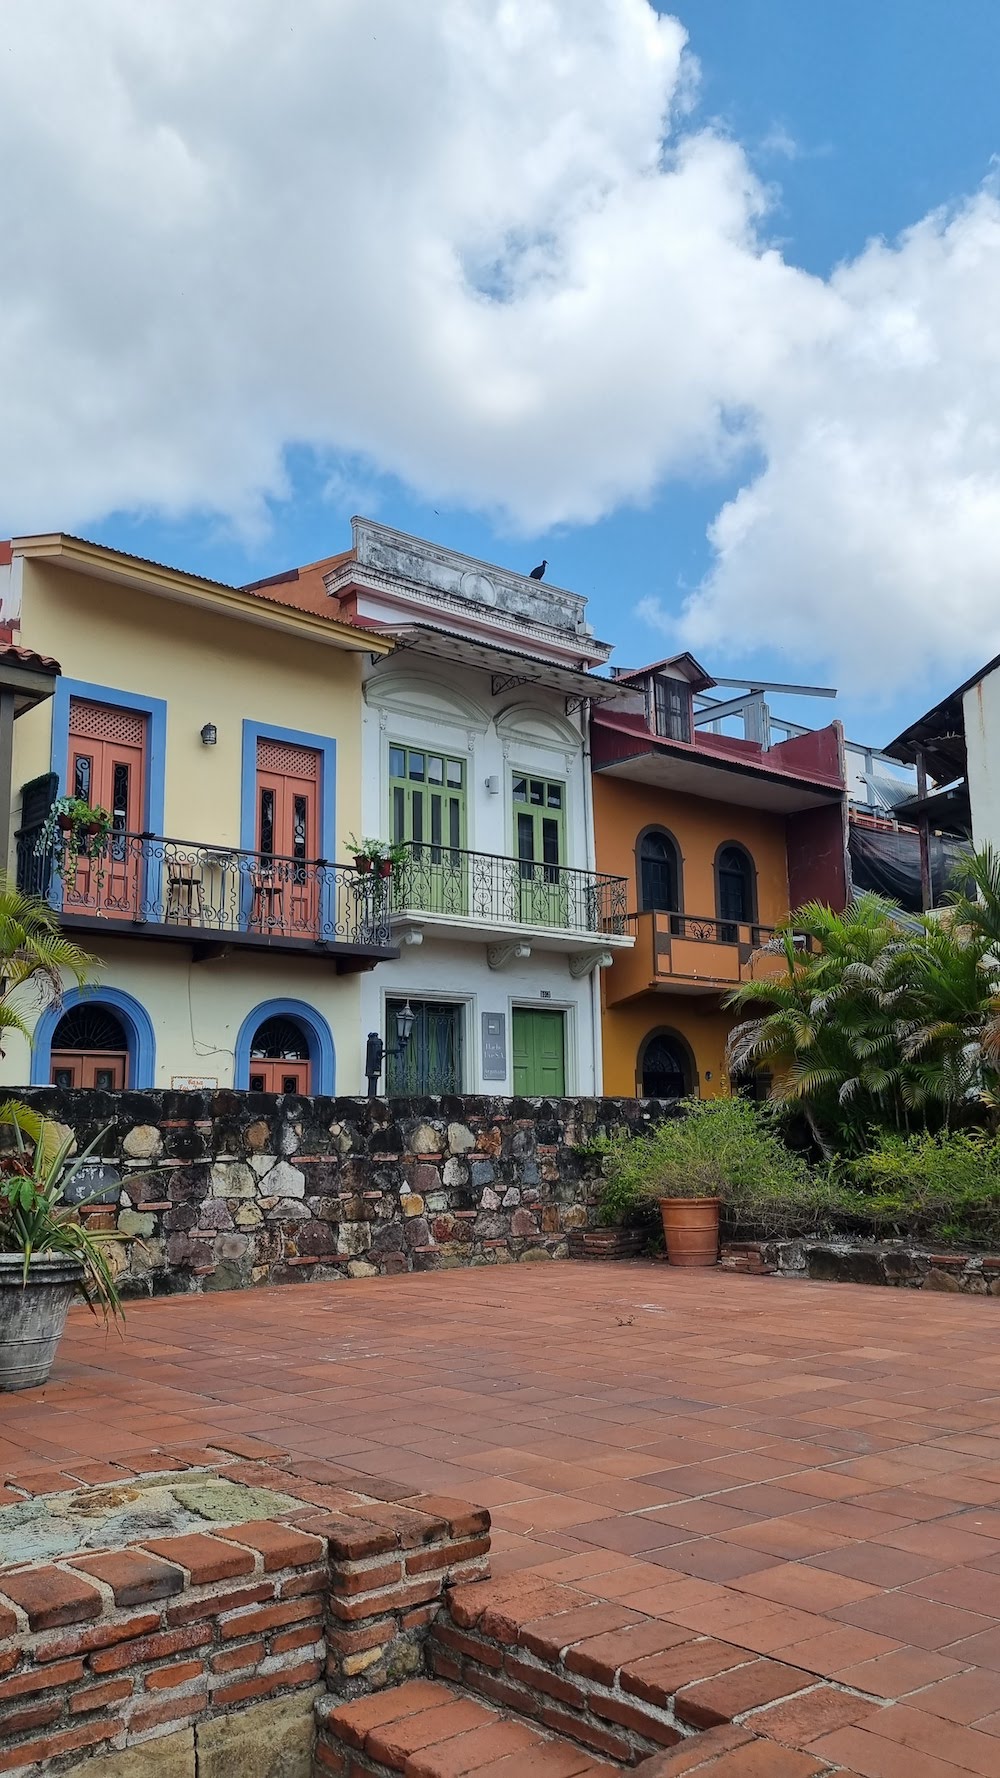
pixel 376 855
pixel 81 827
pixel 47 1254
pixel 682 1167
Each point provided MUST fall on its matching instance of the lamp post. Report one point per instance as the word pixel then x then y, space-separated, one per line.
pixel 376 1050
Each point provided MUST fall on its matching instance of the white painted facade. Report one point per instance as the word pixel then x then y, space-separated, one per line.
pixel 418 698
pixel 981 710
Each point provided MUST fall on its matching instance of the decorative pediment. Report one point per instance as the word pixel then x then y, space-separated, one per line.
pixel 541 727
pixel 433 700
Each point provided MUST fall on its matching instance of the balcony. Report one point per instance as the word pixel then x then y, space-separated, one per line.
pixel 513 905
pixel 690 954
pixel 213 898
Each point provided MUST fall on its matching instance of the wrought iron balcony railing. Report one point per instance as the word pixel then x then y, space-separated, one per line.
pixel 144 880
pixel 708 929
pixel 497 891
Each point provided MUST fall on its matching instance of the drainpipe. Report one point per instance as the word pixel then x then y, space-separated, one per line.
pixel 588 828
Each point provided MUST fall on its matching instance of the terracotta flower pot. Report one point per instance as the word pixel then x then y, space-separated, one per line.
pixel 385 867
pixel 65 823
pixel 362 863
pixel 691 1230
pixel 91 827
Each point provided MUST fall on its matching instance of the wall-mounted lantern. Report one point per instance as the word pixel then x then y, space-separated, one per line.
pixel 209 734
pixel 376 1051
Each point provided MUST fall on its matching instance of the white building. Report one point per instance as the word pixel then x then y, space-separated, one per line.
pixel 475 759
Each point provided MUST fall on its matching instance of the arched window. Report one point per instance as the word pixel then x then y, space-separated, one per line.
pixel 89 1049
pixel 95 1038
pixel 735 889
pixel 659 871
pixel 284 1046
pixel 665 1069
pixel 279 1057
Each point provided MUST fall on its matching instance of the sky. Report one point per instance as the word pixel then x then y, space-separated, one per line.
pixel 700 302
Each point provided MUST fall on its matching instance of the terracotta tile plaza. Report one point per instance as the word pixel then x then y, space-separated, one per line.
pixel 808 1472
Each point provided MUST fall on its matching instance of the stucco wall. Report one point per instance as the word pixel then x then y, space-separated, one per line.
pixel 699 826
pixel 981 708
pixel 411 701
pixel 208 669
pixel 696 1019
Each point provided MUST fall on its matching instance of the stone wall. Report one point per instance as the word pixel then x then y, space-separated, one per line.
pixel 900 1264
pixel 223 1190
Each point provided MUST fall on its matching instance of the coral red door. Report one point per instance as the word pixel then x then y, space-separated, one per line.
pixel 285 882
pixel 107 768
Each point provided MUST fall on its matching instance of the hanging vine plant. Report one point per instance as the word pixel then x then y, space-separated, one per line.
pixel 74 828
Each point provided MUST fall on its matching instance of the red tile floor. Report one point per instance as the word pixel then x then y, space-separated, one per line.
pixel 811 1471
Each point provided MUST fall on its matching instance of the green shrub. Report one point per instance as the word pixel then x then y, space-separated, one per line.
pixel 729 1148
pixel 943 1187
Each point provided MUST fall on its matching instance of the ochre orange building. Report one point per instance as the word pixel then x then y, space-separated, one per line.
pixel 719 838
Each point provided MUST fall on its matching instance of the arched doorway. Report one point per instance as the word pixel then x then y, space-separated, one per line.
pixel 90 1049
pixel 665 1070
pixel 279 1057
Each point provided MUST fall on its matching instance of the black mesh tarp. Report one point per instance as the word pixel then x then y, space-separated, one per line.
pixel 889 864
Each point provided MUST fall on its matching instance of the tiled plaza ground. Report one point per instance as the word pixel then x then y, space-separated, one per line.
pixel 811 1472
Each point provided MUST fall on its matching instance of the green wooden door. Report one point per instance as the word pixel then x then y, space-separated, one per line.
pixel 427 808
pixel 539 1051
pixel 540 844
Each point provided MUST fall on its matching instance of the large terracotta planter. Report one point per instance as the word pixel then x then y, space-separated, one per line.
pixel 691 1230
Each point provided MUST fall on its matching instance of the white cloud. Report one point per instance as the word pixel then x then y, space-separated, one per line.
pixel 871 539
pixel 482 245
pixel 459 240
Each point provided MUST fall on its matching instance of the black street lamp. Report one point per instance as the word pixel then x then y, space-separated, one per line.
pixel 376 1050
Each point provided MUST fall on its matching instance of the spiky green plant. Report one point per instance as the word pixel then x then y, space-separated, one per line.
pixel 34 1216
pixel 33 952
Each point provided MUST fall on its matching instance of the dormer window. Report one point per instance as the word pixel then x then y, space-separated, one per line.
pixel 671 708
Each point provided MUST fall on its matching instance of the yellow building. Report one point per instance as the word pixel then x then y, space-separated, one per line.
pixel 719 836
pixel 220 730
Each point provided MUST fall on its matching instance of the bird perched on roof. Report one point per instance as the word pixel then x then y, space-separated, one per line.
pixel 539 572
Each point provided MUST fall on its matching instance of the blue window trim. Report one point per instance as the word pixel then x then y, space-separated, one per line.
pixel 156 752
pixel 325 746
pixel 156 756
pixel 139 1034
pixel 316 1031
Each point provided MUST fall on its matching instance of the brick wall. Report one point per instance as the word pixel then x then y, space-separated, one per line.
pixel 109 1649
pixel 230 1189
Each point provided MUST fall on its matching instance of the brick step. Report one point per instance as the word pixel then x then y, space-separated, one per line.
pixel 627 1687
pixel 424 1729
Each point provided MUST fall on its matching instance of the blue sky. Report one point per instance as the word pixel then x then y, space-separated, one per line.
pixel 865 115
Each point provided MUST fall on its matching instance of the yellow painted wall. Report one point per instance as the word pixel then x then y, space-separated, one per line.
pixel 208 669
pixel 699 826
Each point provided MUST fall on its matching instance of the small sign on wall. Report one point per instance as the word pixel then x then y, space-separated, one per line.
pixel 494 1046
pixel 194 1083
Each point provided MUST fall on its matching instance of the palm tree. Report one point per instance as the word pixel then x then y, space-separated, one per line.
pixel 883 1019
pixel 34 956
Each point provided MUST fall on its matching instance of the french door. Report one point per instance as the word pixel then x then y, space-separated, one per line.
pixel 539 834
pixel 427 808
pixel 432 1059
pixel 107 769
pixel 284 879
